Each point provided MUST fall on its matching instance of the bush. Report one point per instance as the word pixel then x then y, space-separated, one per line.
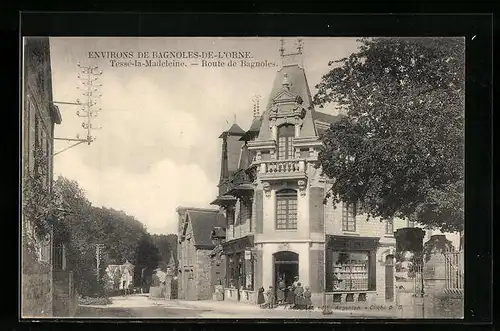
pixel 101 301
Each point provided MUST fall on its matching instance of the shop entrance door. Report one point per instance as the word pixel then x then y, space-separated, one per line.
pixel 286 265
pixel 389 278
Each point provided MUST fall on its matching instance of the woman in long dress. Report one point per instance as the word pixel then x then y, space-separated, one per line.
pixel 260 297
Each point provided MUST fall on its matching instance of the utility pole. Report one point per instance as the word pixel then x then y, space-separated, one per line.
pixel 98 252
pixel 90 91
pixel 89 75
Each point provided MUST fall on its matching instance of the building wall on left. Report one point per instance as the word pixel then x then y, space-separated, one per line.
pixel 37 128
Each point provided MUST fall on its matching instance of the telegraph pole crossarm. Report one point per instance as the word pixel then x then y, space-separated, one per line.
pixel 87 77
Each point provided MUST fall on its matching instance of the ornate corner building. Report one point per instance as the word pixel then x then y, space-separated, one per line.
pixel 271 195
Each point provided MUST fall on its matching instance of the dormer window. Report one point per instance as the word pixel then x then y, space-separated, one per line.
pixel 286 133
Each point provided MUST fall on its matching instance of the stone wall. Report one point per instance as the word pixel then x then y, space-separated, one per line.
pixel 65 297
pixel 157 292
pixel 202 274
pixel 36 298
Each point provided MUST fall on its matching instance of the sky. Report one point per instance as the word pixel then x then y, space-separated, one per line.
pixel 157 145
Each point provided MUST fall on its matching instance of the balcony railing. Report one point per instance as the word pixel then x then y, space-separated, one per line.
pixel 241 177
pixel 238 178
pixel 283 168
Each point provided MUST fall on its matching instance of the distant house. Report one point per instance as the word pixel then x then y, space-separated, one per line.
pixel 195 245
pixel 159 277
pixel 121 276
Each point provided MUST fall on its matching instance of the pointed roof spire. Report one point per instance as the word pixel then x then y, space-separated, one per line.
pixel 308 128
pixel 234 130
pixel 265 132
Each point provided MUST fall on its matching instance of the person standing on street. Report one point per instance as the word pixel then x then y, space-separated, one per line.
pixel 307 298
pixel 260 297
pixel 270 298
pixel 280 292
pixel 299 299
pixel 294 287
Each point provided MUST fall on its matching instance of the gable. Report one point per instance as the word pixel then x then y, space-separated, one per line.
pixel 202 224
pixel 285 96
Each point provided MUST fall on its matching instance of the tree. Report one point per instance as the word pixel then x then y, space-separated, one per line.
pixel 147 259
pixel 84 226
pixel 399 149
pixel 167 247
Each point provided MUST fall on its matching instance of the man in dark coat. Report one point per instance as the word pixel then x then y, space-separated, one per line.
pixel 299 299
pixel 280 291
pixel 294 286
pixel 289 296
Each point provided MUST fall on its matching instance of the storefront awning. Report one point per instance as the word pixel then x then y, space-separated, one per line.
pixel 242 189
pixel 239 244
pixel 350 243
pixel 224 200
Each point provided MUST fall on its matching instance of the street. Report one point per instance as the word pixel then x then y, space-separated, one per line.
pixel 139 306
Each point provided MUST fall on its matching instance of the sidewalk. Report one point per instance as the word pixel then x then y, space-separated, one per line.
pixel 208 304
pixel 231 309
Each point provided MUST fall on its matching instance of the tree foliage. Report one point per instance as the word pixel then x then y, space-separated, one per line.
pixel 167 247
pixel 41 207
pixel 84 226
pixel 399 149
pixel 147 259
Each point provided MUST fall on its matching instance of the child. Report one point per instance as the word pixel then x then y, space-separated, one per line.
pixel 307 298
pixel 270 298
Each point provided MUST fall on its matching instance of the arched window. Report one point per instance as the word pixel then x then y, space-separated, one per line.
pixel 286 210
pixel 286 133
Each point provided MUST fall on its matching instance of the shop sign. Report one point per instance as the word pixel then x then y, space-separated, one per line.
pixel 352 244
pixel 248 255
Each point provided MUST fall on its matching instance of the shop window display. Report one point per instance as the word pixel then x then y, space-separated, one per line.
pixel 350 271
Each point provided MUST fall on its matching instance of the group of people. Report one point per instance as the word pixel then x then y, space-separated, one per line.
pixel 294 296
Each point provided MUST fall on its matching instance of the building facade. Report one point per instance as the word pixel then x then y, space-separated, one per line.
pixel 39 116
pixel 195 281
pixel 120 276
pixel 277 226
